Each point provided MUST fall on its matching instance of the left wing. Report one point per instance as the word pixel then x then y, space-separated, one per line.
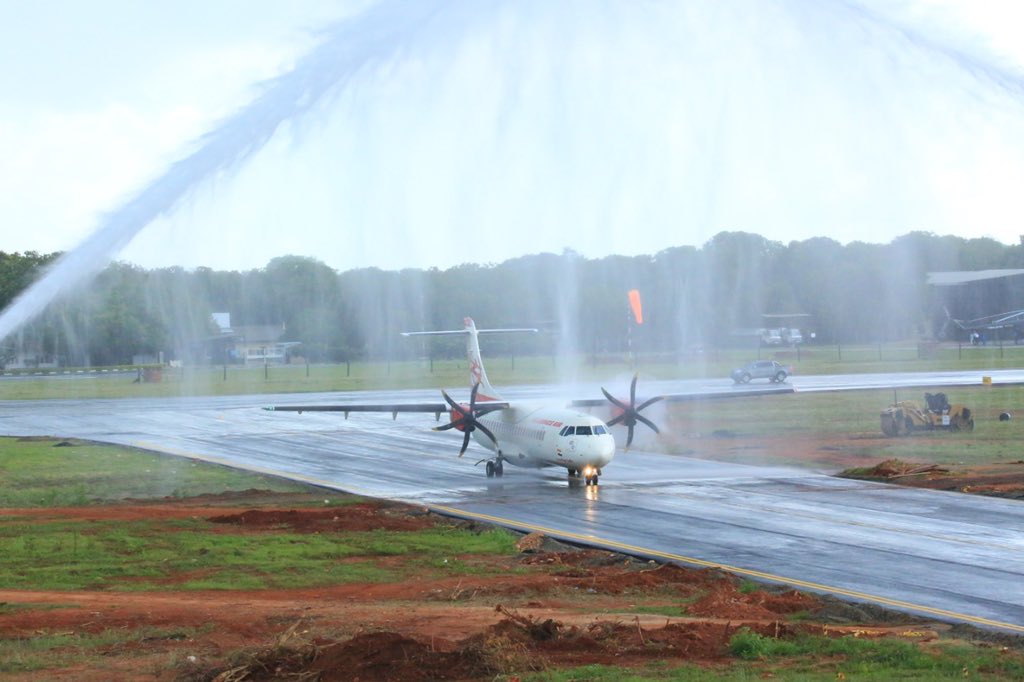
pixel 435 408
pixel 464 417
pixel 426 408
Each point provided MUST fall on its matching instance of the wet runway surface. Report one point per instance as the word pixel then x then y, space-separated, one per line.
pixel 956 557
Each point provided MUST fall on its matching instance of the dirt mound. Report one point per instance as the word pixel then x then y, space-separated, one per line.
pixel 725 601
pixel 391 656
pixel 355 517
pixel 1003 479
pixel 894 468
pixel 515 644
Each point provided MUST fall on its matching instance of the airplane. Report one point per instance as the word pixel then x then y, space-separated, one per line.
pixel 522 434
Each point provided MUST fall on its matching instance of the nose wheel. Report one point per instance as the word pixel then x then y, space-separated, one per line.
pixel 495 468
pixel 588 478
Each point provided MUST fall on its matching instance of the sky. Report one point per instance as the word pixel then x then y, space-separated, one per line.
pixel 480 131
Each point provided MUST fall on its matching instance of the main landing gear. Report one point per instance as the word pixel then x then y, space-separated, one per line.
pixel 495 468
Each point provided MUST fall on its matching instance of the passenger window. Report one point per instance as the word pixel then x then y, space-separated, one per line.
pixel 582 430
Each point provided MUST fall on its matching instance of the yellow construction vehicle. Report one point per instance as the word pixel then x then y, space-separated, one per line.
pixel 908 416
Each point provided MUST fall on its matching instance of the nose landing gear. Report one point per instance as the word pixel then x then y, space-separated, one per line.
pixel 590 476
pixel 495 468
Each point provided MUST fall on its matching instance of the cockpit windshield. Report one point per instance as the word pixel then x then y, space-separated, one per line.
pixel 596 430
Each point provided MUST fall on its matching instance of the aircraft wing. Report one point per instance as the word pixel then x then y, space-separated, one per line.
pixel 428 408
pixel 686 397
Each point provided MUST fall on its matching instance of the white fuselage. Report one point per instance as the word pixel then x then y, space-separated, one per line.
pixel 537 436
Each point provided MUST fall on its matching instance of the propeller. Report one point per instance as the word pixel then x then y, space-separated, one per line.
pixel 631 413
pixel 466 421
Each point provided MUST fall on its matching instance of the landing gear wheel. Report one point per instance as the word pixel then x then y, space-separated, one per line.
pixel 591 480
pixel 490 470
pixel 499 469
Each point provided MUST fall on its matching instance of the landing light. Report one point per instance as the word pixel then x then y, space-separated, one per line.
pixel 589 471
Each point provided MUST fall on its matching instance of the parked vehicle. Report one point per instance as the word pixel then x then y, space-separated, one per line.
pixel 774 371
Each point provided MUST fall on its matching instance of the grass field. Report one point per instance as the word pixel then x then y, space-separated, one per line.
pixel 45 472
pixel 234 380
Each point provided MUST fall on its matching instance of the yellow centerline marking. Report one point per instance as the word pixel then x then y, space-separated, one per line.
pixel 590 539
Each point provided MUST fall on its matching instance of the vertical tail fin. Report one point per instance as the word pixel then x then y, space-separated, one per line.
pixel 477 373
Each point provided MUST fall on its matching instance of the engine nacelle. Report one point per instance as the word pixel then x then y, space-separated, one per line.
pixel 457 418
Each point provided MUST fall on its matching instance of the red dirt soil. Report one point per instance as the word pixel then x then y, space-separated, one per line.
pixel 542 612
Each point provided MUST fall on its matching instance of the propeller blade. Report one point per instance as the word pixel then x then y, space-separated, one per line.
pixel 455 406
pixel 652 425
pixel 650 401
pixel 466 420
pixel 487 432
pixel 630 415
pixel 613 400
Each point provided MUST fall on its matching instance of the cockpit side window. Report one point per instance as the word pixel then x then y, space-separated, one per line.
pixel 583 431
pixel 599 430
pixel 568 431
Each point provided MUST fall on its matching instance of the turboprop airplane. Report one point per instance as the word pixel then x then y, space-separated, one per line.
pixel 522 434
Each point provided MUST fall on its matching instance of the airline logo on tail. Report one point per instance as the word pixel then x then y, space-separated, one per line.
pixel 477 375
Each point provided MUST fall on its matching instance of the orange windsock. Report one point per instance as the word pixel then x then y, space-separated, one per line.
pixel 634 302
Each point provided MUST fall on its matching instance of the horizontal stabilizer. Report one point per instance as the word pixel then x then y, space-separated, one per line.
pixel 448 332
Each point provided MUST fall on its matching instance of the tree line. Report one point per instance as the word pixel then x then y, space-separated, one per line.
pixel 692 297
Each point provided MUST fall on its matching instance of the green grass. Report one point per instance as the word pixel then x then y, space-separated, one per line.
pixel 851 418
pixel 206 380
pixel 878 658
pixel 7 608
pixel 145 555
pixel 816 659
pixel 40 473
pixel 54 651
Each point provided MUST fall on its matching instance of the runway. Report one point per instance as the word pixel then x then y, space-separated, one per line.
pixel 943 555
